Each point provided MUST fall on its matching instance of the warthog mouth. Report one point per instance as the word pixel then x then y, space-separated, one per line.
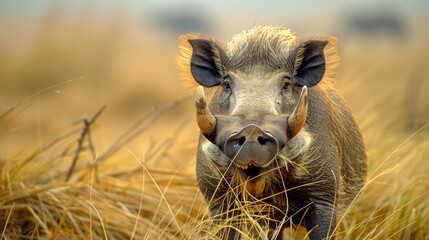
pixel 251 170
pixel 252 175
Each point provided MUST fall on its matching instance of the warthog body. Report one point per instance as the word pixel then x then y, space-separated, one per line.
pixel 278 142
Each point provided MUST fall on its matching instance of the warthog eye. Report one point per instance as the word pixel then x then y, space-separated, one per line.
pixel 287 81
pixel 286 85
pixel 226 82
pixel 226 86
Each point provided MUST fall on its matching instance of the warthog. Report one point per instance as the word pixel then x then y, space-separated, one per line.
pixel 278 143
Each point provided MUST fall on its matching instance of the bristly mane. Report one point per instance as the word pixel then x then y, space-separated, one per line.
pixel 262 45
pixel 259 46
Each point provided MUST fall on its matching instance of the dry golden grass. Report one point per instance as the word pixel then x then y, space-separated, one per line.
pixel 146 203
pixel 38 200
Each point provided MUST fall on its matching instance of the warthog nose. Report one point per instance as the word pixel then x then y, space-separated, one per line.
pixel 251 144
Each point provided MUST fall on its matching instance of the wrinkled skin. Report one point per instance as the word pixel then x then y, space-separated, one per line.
pixel 259 116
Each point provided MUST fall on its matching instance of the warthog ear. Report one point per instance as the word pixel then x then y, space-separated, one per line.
pixel 310 63
pixel 206 62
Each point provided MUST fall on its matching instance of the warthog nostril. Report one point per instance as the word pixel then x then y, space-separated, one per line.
pixel 241 140
pixel 262 140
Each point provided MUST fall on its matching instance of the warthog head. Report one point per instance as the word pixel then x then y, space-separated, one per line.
pixel 261 97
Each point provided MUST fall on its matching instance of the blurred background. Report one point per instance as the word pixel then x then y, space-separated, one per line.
pixel 122 55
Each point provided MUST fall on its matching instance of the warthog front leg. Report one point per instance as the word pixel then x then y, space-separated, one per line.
pixel 320 221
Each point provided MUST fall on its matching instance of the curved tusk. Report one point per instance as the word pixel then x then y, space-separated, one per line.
pixel 297 119
pixel 205 119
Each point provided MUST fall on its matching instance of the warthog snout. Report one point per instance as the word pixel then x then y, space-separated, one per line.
pixel 251 145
